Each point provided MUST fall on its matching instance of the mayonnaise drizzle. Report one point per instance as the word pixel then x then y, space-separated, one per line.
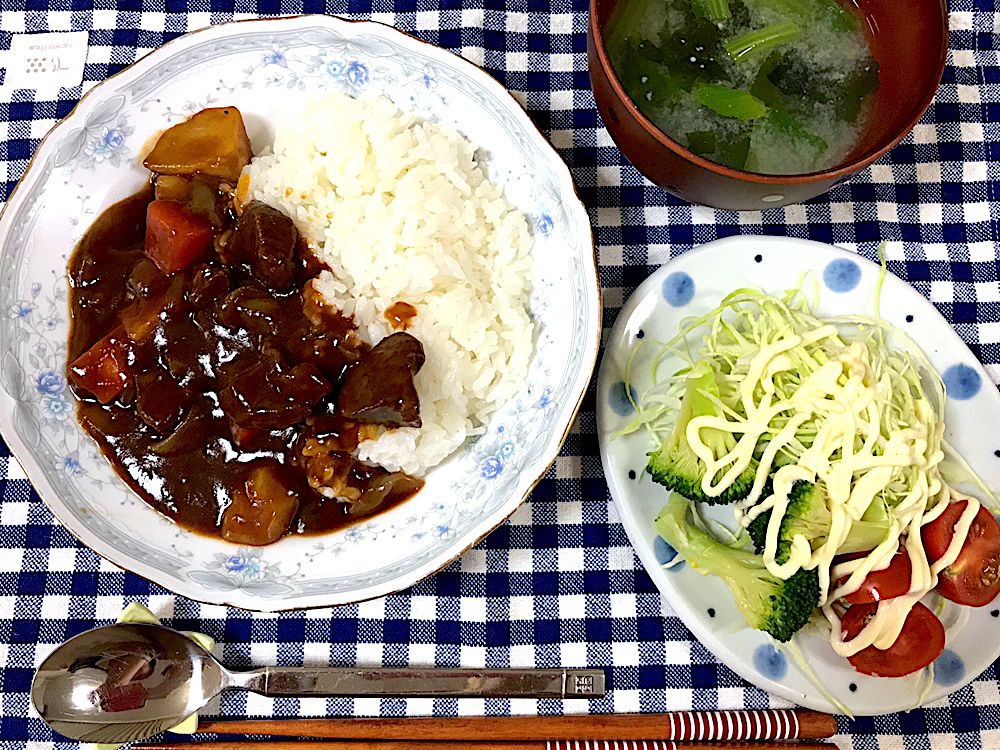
pixel 840 397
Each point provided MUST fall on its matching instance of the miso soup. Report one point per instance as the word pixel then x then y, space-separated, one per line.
pixel 767 86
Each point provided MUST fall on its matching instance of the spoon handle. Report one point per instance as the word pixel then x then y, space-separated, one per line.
pixel 427 683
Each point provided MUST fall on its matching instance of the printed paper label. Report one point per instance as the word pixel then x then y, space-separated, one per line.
pixel 48 61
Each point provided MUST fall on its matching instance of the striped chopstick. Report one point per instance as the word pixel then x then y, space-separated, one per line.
pixel 688 726
pixel 549 745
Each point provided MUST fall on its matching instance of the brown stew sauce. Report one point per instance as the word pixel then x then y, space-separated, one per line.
pixel 226 412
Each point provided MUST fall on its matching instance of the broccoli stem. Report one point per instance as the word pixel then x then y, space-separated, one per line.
pixel 779 607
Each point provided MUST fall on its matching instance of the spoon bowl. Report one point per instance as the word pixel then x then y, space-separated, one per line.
pixel 127 682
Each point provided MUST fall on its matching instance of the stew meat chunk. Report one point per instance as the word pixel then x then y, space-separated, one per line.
pixel 213 375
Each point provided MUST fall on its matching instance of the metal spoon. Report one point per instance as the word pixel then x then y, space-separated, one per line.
pixel 123 683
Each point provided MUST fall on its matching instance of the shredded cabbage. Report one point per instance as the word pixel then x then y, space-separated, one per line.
pixel 826 401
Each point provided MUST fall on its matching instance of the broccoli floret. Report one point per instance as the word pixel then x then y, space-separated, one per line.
pixel 808 514
pixel 758 533
pixel 677 467
pixel 776 606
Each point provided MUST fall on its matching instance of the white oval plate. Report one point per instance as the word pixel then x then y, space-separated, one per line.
pixel 90 160
pixel 693 284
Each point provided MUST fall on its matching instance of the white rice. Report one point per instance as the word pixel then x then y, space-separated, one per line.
pixel 400 211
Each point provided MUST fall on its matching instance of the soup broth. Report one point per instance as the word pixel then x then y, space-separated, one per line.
pixel 767 86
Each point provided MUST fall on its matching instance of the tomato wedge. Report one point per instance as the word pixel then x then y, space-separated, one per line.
pixel 920 642
pixel 888 583
pixel 974 578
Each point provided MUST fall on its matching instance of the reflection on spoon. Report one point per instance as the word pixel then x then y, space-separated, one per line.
pixel 127 682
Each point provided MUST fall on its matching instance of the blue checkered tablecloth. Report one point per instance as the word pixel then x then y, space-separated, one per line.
pixel 934 197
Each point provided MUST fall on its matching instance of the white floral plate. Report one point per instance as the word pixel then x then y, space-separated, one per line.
pixel 693 284
pixel 89 161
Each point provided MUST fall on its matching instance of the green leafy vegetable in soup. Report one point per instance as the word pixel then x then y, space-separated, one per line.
pixel 769 86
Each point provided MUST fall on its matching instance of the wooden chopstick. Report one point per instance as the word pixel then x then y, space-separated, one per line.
pixel 702 726
pixel 550 745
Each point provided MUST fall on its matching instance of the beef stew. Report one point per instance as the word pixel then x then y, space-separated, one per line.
pixel 216 379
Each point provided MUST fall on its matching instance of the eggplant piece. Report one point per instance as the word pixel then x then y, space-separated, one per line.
pixel 382 488
pixel 212 142
pixel 145 314
pixel 267 241
pixel 379 389
pixel 185 352
pixel 271 395
pixel 231 349
pixel 146 279
pixel 160 402
pixel 188 434
pixel 253 308
pixel 207 284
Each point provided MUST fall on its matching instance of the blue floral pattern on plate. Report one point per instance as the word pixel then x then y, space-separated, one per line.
pixel 264 68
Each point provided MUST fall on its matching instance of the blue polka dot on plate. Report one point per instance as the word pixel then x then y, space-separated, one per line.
pixel 664 553
pixel 842 275
pixel 770 662
pixel 618 399
pixel 678 289
pixel 961 382
pixel 949 668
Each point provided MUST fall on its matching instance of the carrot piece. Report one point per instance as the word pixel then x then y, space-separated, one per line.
pixel 103 369
pixel 175 238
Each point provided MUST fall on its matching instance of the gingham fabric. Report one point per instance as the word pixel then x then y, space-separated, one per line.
pixel 558 583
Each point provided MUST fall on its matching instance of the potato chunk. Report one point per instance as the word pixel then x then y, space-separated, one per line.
pixel 212 142
pixel 263 512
